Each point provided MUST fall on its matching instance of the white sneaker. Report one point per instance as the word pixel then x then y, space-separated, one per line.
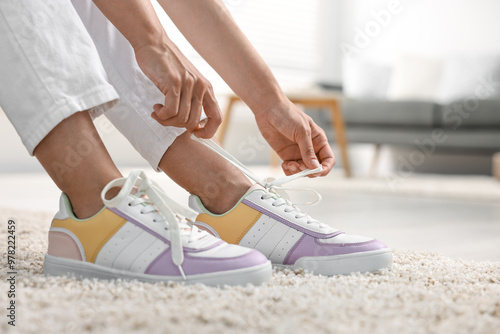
pixel 265 221
pixel 134 237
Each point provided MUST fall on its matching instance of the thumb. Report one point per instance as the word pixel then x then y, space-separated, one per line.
pixel 214 118
pixel 307 151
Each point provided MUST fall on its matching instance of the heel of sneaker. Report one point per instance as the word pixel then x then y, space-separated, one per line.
pixel 53 266
pixel 58 266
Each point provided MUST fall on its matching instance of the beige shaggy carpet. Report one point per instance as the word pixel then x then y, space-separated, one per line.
pixel 424 293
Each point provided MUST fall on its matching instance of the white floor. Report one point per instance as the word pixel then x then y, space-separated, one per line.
pixel 467 228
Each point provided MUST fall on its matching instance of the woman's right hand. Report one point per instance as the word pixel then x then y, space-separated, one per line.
pixel 186 90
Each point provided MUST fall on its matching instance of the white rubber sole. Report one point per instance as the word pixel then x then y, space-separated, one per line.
pixel 372 261
pixel 57 266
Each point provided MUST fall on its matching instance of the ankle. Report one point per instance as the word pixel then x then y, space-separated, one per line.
pixel 87 203
pixel 222 198
pixel 85 207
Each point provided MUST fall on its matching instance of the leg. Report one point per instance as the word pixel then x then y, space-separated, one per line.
pixel 78 162
pixel 46 78
pixel 217 182
pixel 204 173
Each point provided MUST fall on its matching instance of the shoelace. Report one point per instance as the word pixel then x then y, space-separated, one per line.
pixel 159 203
pixel 272 186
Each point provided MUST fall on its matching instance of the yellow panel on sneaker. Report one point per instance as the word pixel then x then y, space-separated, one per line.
pixel 93 233
pixel 233 225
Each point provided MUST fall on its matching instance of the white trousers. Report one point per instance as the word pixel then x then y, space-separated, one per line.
pixel 60 57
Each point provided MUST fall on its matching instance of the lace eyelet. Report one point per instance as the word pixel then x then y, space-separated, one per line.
pixel 129 204
pixel 154 221
pixel 262 197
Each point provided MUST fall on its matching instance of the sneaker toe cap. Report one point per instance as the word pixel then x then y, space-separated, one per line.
pixel 224 259
pixel 314 247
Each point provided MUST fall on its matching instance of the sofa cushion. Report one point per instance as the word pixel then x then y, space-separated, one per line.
pixel 365 80
pixel 475 140
pixel 470 76
pixel 470 113
pixel 403 113
pixel 415 78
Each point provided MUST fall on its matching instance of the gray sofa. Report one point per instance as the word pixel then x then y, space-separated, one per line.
pixel 457 97
pixel 468 125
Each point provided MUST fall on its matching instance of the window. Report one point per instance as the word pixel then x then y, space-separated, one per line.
pixel 285 33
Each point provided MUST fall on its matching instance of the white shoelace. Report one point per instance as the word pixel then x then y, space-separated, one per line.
pixel 160 204
pixel 272 186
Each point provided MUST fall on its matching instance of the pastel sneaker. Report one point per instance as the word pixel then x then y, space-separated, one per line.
pixel 139 237
pixel 264 220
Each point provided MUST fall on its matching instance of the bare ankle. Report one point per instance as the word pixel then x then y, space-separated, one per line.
pixel 87 204
pixel 84 208
pixel 222 198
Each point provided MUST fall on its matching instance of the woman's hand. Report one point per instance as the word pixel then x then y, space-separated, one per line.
pixel 295 137
pixel 186 90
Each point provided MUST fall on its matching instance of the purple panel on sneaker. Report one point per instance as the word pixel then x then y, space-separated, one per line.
pixel 309 246
pixel 157 235
pixel 289 223
pixel 192 265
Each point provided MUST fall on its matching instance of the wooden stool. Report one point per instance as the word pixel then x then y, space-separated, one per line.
pixel 330 100
pixel 496 166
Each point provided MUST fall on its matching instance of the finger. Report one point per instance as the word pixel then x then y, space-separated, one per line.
pixel 327 159
pixel 172 101
pixel 155 117
pixel 325 152
pixel 194 116
pixel 292 166
pixel 302 166
pixel 157 109
pixel 168 122
pixel 284 166
pixel 186 97
pixel 214 117
pixel 307 149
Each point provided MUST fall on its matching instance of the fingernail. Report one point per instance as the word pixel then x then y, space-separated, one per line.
pixel 315 163
pixel 293 168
